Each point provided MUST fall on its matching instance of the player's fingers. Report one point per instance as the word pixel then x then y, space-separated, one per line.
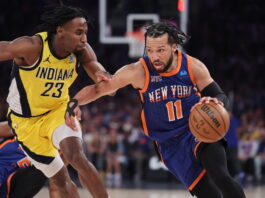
pixel 103 76
pixel 73 124
pixel 207 100
pixel 221 103
pixel 216 101
pixel 70 121
pixel 78 114
pixel 67 119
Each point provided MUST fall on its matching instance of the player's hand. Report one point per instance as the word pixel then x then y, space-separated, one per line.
pixel 73 112
pixel 206 100
pixel 103 76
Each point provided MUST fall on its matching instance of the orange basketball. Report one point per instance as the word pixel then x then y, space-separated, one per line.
pixel 209 122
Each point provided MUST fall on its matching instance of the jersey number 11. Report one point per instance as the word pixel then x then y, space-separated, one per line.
pixel 173 114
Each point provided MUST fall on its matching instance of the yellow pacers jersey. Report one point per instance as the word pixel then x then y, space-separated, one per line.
pixel 42 87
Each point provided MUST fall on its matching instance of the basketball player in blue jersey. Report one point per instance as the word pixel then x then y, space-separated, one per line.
pixel 170 83
pixel 17 177
pixel 45 66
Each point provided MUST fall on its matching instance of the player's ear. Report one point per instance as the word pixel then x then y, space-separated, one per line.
pixel 174 47
pixel 59 31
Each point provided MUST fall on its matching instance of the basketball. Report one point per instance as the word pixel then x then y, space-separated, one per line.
pixel 209 122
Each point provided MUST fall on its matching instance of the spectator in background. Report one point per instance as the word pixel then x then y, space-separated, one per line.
pixel 247 149
pixel 259 162
pixel 140 151
pixel 96 147
pixel 114 150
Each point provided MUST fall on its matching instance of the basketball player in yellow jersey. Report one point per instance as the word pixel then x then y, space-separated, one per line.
pixel 45 66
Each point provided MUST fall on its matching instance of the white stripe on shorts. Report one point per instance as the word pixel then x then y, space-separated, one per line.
pixel 63 131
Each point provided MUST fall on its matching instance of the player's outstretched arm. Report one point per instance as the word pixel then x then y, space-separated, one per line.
pixel 121 78
pixel 130 74
pixel 91 65
pixel 27 48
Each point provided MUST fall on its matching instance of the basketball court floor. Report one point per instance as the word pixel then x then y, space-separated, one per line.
pixel 251 192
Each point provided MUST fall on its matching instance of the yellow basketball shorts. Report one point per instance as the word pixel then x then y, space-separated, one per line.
pixel 35 136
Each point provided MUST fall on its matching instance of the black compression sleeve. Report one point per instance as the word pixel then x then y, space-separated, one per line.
pixel 215 91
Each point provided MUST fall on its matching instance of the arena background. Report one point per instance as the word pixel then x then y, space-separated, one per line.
pixel 228 36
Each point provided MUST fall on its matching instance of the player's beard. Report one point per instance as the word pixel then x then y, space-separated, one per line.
pixel 169 63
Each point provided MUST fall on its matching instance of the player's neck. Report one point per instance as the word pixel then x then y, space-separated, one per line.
pixel 57 49
pixel 174 64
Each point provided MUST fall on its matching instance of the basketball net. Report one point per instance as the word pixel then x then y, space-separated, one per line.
pixel 136 43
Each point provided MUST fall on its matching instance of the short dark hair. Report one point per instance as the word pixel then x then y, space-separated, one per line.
pixel 175 35
pixel 55 16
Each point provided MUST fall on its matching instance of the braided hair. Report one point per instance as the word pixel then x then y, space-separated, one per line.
pixel 55 16
pixel 175 36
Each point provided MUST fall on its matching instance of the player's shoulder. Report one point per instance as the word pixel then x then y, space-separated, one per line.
pixel 130 72
pixel 135 67
pixel 135 74
pixel 199 70
pixel 196 64
pixel 29 41
pixel 194 60
pixel 27 47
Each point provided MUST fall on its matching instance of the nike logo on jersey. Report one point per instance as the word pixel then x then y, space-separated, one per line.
pixel 47 59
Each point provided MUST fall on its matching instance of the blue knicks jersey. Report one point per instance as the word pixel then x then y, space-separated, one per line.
pixel 167 99
pixel 11 158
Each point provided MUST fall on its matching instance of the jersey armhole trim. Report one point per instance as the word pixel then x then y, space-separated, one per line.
pixel 144 123
pixel 190 70
pixel 36 64
pixel 147 76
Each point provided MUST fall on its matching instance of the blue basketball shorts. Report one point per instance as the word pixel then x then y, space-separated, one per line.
pixel 179 156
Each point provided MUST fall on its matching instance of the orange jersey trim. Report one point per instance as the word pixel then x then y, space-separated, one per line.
pixel 190 70
pixel 9 183
pixel 197 92
pixel 196 147
pixel 144 123
pixel 197 180
pixel 141 96
pixel 6 142
pixel 147 76
pixel 178 66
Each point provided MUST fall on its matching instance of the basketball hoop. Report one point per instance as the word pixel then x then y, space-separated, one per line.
pixel 136 43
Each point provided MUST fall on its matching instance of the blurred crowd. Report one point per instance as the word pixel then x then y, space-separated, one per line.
pixel 228 36
pixel 231 42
